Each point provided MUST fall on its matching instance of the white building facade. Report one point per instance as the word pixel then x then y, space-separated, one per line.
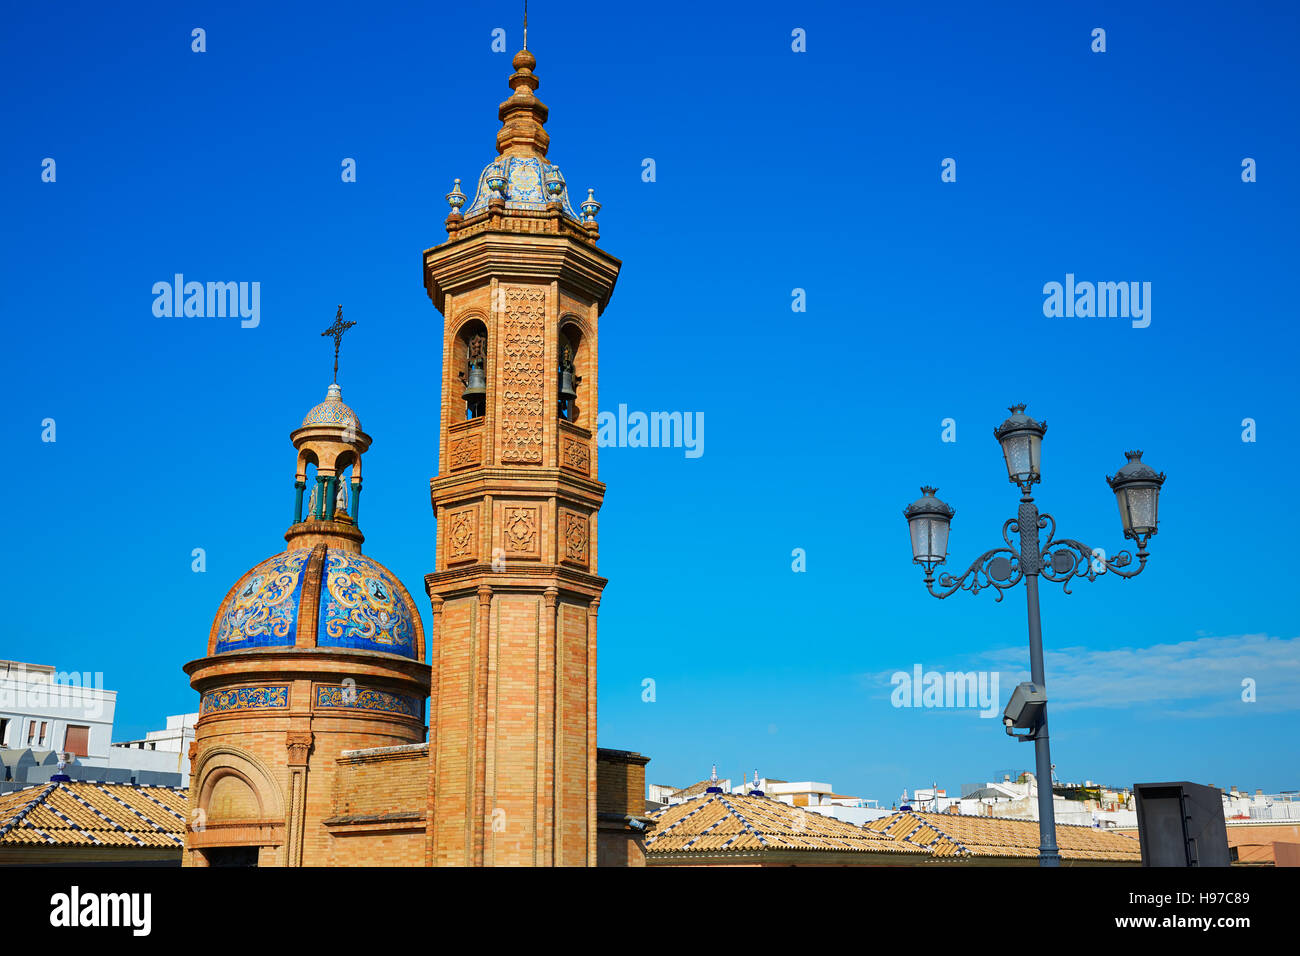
pixel 46 715
pixel 44 709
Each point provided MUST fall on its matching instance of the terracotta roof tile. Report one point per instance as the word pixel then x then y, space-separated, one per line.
pixel 721 822
pixel 949 834
pixel 94 814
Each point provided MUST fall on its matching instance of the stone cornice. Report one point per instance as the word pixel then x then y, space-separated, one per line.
pixel 467 579
pixel 476 260
pixel 237 833
pixel 357 824
pixel 335 534
pixel 383 754
pixel 291 663
pixel 330 433
pixel 502 480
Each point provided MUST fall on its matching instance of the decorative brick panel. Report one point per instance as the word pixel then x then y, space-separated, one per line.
pixel 521 531
pixel 575 455
pixel 466 452
pixel 523 376
pixel 462 535
pixel 574 537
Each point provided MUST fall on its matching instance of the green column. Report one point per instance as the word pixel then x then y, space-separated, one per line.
pixel 297 500
pixel 331 489
pixel 356 501
pixel 319 510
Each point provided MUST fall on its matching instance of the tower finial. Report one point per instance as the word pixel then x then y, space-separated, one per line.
pixel 337 330
pixel 523 115
pixel 525 24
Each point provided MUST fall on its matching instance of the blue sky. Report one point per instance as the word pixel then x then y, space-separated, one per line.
pixel 776 170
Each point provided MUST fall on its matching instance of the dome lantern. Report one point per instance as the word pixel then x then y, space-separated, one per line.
pixel 329 439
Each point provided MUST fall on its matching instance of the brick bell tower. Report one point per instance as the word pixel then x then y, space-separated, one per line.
pixel 521 285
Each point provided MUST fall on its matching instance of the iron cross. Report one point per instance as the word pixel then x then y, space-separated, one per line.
pixel 337 330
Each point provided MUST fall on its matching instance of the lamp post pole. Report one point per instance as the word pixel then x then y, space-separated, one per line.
pixel 1137 490
pixel 1048 855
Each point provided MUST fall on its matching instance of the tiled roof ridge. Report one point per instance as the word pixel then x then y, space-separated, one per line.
pixel 743 822
pixel 685 791
pixel 961 847
pixel 153 799
pixel 27 808
pixel 676 823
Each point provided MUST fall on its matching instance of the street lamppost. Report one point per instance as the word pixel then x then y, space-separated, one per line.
pixel 1137 491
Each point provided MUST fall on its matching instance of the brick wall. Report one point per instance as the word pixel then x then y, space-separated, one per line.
pixel 620 781
pixel 620 793
pixel 379 807
pixel 380 781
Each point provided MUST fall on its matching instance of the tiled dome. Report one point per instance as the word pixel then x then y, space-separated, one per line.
pixel 525 178
pixel 356 603
pixel 332 411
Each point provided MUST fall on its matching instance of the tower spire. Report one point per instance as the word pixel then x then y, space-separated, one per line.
pixel 525 24
pixel 523 115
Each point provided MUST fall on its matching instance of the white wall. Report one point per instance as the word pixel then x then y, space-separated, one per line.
pixel 166 750
pixel 68 699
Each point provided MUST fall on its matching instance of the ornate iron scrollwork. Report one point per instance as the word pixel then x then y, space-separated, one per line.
pixel 990 569
pixel 1065 559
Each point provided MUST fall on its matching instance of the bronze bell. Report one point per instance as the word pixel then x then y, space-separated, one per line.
pixel 567 381
pixel 568 393
pixel 475 386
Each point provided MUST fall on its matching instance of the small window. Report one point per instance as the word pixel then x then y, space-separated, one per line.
pixel 45 730
pixel 4 730
pixel 76 740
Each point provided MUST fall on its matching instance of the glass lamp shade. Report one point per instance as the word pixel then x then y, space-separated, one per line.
pixel 1137 492
pixel 928 521
pixel 1021 439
